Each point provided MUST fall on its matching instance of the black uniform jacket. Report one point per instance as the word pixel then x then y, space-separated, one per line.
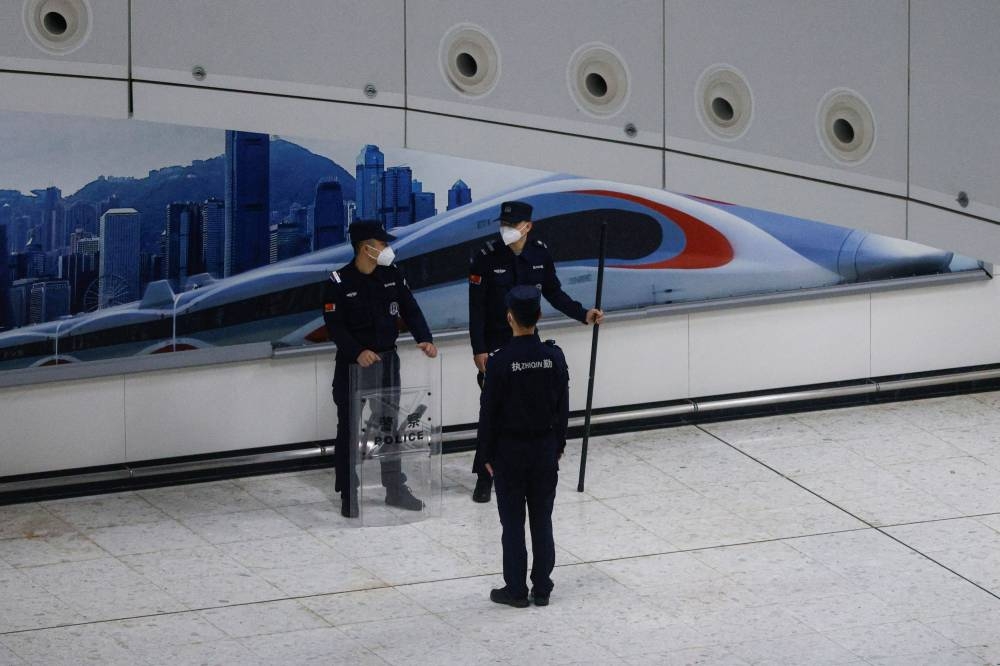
pixel 362 311
pixel 525 395
pixel 495 269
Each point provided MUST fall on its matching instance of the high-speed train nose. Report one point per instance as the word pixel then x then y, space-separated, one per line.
pixel 865 256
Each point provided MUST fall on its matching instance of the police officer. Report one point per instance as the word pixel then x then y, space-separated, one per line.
pixel 362 303
pixel 501 264
pixel 523 413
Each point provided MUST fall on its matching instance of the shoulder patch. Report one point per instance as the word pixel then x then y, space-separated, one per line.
pixel 491 247
pixel 335 277
pixel 550 343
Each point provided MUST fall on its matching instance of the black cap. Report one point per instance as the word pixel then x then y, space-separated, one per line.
pixel 512 212
pixel 365 229
pixel 524 300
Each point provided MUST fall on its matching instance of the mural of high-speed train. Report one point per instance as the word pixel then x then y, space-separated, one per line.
pixel 662 248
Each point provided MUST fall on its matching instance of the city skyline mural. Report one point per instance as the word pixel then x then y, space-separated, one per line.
pixel 171 223
pixel 232 244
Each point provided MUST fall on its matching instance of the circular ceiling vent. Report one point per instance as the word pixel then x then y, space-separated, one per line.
pixel 846 126
pixel 57 27
pixel 724 102
pixel 470 61
pixel 598 79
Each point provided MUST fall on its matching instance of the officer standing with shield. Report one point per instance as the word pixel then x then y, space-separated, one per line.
pixel 362 303
pixel 496 268
pixel 523 416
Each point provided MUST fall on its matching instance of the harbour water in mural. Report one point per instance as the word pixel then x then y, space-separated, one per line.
pixel 214 238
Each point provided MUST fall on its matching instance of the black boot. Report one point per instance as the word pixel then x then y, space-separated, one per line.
pixel 484 486
pixel 539 599
pixel 402 497
pixel 503 596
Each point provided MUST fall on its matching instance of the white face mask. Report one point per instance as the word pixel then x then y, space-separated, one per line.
pixel 510 235
pixel 383 257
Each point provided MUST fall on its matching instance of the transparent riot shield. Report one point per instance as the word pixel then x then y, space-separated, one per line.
pixel 396 439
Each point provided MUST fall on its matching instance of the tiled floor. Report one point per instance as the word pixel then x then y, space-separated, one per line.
pixel 866 535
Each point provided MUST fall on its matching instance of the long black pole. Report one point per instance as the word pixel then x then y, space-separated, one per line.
pixel 593 357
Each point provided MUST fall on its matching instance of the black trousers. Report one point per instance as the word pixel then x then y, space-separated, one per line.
pixel 386 374
pixel 525 476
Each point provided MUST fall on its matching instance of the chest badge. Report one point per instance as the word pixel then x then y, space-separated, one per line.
pixel 499 271
pixel 351 294
pixel 394 308
pixel 538 267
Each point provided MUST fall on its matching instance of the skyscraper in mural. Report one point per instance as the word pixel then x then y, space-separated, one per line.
pixel 288 239
pixel 31 262
pixel 213 239
pixel 19 301
pixel 328 214
pixel 81 215
pixel 368 182
pixel 80 269
pixel 421 203
pixel 114 201
pixel 4 271
pixel 248 194
pixel 7 221
pixel 183 256
pixel 51 221
pixel 459 194
pixel 119 256
pixel 49 300
pixel 397 183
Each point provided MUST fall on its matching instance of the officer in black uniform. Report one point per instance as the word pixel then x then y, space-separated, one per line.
pixel 362 303
pixel 502 263
pixel 522 434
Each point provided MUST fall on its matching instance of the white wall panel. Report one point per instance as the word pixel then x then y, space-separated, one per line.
pixel 102 98
pixel 267 113
pixel 536 42
pixel 800 197
pixel 934 329
pixel 950 231
pixel 459 391
pixel 309 48
pixel 326 411
pixel 955 103
pixel 220 408
pixel 575 343
pixel 234 406
pixel 100 49
pixel 62 426
pixel 791 55
pixel 637 361
pixel 534 148
pixel 779 345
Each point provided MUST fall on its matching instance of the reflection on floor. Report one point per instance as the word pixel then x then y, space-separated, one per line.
pixel 866 535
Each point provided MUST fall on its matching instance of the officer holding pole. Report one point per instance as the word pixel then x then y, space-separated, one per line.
pixel 500 265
